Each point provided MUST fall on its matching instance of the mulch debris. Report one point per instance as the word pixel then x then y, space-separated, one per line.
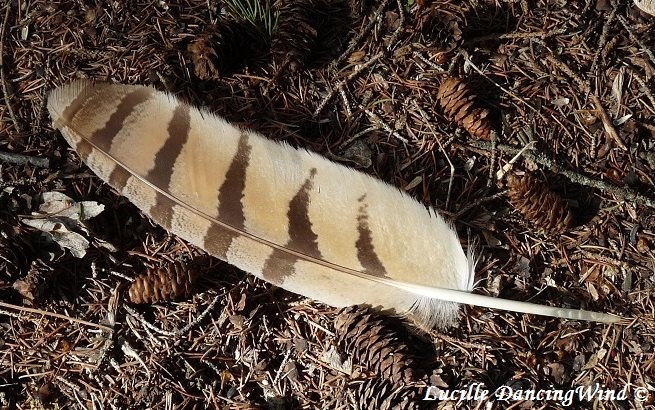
pixel 572 82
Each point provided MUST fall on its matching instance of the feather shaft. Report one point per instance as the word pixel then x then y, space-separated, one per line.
pixel 467 298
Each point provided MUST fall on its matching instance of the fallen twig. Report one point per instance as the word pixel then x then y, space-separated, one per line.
pixel 609 47
pixel 401 22
pixel 644 88
pixel 377 15
pixel 507 36
pixel 434 133
pixel 624 193
pixel 52 314
pixel 346 102
pixel 456 216
pixel 343 82
pixel 634 38
pixel 602 41
pixel 182 330
pixel 5 91
pixel 379 121
pixel 20 159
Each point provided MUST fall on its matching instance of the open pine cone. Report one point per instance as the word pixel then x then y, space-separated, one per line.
pixel 538 204
pixel 204 58
pixel 359 7
pixel 221 49
pixel 458 103
pixel 438 26
pixel 163 284
pixel 373 344
pixel 12 259
pixel 295 35
pixel 379 394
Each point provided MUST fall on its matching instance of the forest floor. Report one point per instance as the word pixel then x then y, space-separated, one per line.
pixel 357 82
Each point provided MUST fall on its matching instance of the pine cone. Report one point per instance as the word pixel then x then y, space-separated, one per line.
pixel 9 261
pixel 36 284
pixel 223 48
pixel 539 204
pixel 458 103
pixel 358 8
pixel 379 394
pixel 13 250
pixel 163 284
pixel 374 344
pixel 439 27
pixel 204 58
pixel 295 35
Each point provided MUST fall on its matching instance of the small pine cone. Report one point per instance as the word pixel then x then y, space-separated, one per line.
pixel 221 49
pixel 295 35
pixel 373 344
pixel 13 251
pixel 358 8
pixel 204 58
pixel 170 282
pixel 9 261
pixel 538 204
pixel 36 284
pixel 380 394
pixel 438 26
pixel 458 103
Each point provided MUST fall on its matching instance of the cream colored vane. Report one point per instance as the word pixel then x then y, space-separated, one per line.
pixel 647 6
pixel 286 215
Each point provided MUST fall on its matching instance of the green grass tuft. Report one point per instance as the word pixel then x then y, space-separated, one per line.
pixel 259 13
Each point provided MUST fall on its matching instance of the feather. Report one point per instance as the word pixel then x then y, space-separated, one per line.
pixel 286 215
pixel 647 6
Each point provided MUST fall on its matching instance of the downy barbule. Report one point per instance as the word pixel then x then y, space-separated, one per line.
pixel 286 215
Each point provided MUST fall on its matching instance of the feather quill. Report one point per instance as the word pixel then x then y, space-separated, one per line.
pixel 286 215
